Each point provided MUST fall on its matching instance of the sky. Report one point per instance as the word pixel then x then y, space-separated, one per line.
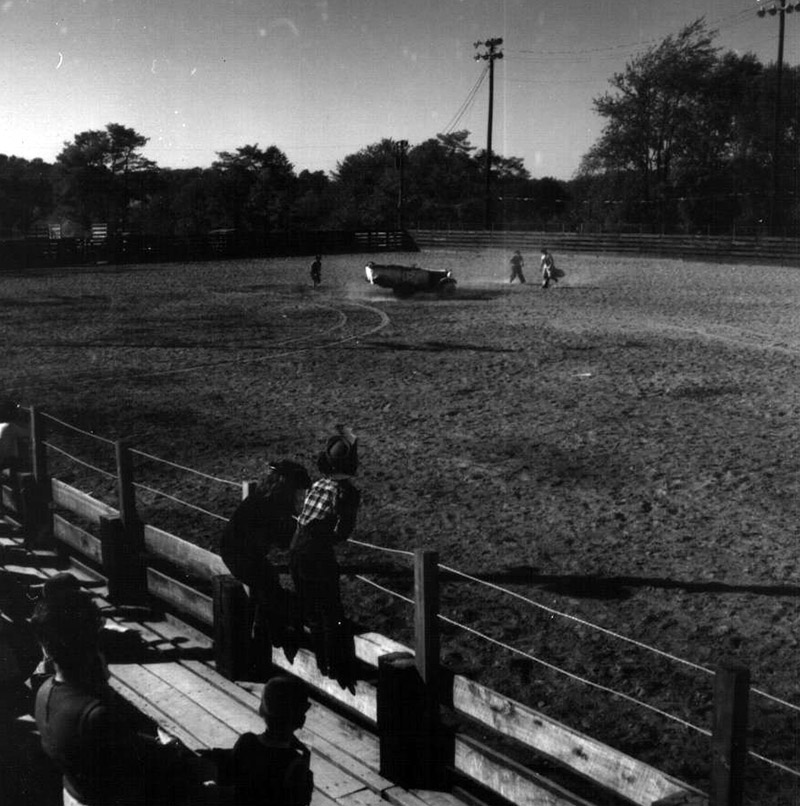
pixel 321 79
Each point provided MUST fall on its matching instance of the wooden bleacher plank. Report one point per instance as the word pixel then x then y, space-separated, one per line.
pixel 76 538
pixel 371 645
pixel 143 706
pixel 634 780
pixel 319 798
pixel 182 597
pixel 231 712
pixel 363 798
pixel 433 797
pixel 176 706
pixel 364 701
pixel 332 780
pixel 196 561
pixel 80 503
pixel 510 780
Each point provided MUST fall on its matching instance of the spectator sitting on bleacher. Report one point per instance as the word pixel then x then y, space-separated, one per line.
pixel 103 758
pixel 266 520
pixel 271 767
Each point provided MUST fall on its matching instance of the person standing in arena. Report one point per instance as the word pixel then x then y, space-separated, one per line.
pixel 316 271
pixel 549 271
pixel 517 263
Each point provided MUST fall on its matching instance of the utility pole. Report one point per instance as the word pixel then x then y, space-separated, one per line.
pixel 490 54
pixel 781 8
pixel 400 151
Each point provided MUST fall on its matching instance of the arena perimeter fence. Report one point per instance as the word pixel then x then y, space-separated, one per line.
pixel 138 559
pixel 136 247
pixel 736 247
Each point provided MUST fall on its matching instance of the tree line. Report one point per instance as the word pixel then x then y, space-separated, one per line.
pixel 689 143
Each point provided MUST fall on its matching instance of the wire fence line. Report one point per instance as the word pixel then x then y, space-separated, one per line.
pixel 80 461
pixel 613 692
pixel 544 663
pixel 78 430
pixel 186 469
pixel 179 501
pixel 583 622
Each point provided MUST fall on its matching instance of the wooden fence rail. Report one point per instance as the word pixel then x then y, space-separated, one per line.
pixel 755 249
pixel 410 683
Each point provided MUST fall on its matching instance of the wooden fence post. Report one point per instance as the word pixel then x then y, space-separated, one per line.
pixel 122 563
pixel 426 615
pixel 127 535
pixel 410 747
pixel 232 643
pixel 729 735
pixel 412 744
pixel 36 491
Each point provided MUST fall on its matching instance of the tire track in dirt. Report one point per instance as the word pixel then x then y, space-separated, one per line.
pixel 341 323
pixel 739 338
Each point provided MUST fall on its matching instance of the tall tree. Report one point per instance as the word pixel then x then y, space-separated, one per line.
pixel 25 193
pixel 257 185
pixel 654 115
pixel 95 174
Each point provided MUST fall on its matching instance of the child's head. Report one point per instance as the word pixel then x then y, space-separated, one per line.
pixel 544 250
pixel 340 456
pixel 284 703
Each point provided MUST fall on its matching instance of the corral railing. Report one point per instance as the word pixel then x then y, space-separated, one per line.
pixel 136 247
pixel 739 247
pixel 140 560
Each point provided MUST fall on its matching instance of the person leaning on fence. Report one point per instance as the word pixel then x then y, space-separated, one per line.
pixel 103 758
pixel 264 521
pixel 270 767
pixel 328 517
pixel 316 271
pixel 517 263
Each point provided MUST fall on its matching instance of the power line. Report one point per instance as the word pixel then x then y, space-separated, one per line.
pixel 467 103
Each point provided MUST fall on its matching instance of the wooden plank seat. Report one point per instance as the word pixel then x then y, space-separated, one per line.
pixel 174 683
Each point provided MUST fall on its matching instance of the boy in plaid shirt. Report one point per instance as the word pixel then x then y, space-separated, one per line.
pixel 327 518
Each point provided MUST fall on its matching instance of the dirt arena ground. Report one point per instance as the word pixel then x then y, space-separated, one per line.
pixel 621 448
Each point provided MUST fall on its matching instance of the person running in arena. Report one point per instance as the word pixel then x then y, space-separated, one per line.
pixel 517 263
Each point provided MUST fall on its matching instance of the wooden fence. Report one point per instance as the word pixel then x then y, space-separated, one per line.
pixel 228 244
pixel 403 696
pixel 750 248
